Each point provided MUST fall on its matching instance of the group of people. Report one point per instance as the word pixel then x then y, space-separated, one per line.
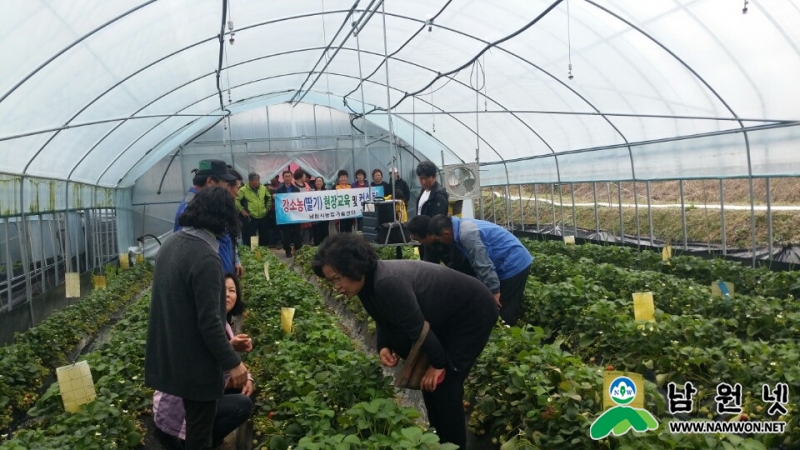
pixel 257 208
pixel 483 276
pixel 471 272
pixel 460 310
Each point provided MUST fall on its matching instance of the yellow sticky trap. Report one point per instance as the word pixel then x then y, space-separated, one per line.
pixel 100 282
pixel 717 290
pixel 643 307
pixel 253 242
pixel 124 262
pixel 613 383
pixel 266 270
pixel 569 240
pixel 287 315
pixel 416 251
pixel 258 255
pixel 666 253
pixel 76 385
pixel 73 285
pixel 139 258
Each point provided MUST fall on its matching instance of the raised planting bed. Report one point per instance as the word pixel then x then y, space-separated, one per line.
pixel 315 387
pixel 29 363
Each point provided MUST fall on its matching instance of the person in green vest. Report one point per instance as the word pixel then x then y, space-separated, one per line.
pixel 253 202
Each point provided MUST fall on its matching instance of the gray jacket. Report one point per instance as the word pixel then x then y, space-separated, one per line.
pixel 187 349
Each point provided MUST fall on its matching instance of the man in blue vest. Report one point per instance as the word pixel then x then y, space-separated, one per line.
pixel 498 257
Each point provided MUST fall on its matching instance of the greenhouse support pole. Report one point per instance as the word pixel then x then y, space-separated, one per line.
pixel 596 216
pixel 353 156
pixel 53 240
pixel 683 217
pixel 722 216
pixel 86 238
pixel 521 209
pixel 509 217
pixel 769 219
pixel 536 205
pixel 649 211
pixel 636 215
pixel 561 202
pixel 22 237
pixel 9 274
pixel 621 216
pixel 574 216
pixel 183 171
pixel 101 251
pixel 22 232
pixel 494 211
pixel 392 148
pixel 67 237
pixel 553 202
pixel 93 219
pixel 43 261
pixel 363 106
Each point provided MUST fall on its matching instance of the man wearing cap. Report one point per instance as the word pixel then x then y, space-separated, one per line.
pixel 210 172
pixel 253 203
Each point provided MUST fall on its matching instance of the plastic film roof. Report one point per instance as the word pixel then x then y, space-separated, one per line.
pixel 98 92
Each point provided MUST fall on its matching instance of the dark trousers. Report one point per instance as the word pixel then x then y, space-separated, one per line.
pixel 346 225
pixel 320 231
pixel 273 234
pixel 199 423
pixel 233 409
pixel 251 227
pixel 512 291
pixel 445 408
pixel 290 234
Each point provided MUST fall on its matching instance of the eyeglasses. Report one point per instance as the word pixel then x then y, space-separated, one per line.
pixel 336 279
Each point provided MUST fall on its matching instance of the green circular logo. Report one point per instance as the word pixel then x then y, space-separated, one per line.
pixel 622 390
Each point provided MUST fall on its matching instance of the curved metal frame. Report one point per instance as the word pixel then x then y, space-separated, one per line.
pixel 719 97
pixel 749 162
pixel 292 18
pixel 295 73
pixel 278 76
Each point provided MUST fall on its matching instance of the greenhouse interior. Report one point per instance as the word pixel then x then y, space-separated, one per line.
pixel 643 154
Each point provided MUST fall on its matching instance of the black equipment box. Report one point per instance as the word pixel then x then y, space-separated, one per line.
pixel 380 226
pixel 394 232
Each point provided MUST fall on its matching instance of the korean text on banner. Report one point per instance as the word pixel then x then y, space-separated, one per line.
pixel 317 206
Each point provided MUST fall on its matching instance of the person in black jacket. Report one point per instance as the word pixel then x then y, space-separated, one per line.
pixel 402 191
pixel 187 348
pixel 377 180
pixel 401 295
pixel 433 200
pixel 290 233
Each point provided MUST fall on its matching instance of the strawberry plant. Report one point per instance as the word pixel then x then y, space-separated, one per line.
pixel 38 351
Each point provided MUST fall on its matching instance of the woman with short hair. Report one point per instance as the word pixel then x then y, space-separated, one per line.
pixel 401 295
